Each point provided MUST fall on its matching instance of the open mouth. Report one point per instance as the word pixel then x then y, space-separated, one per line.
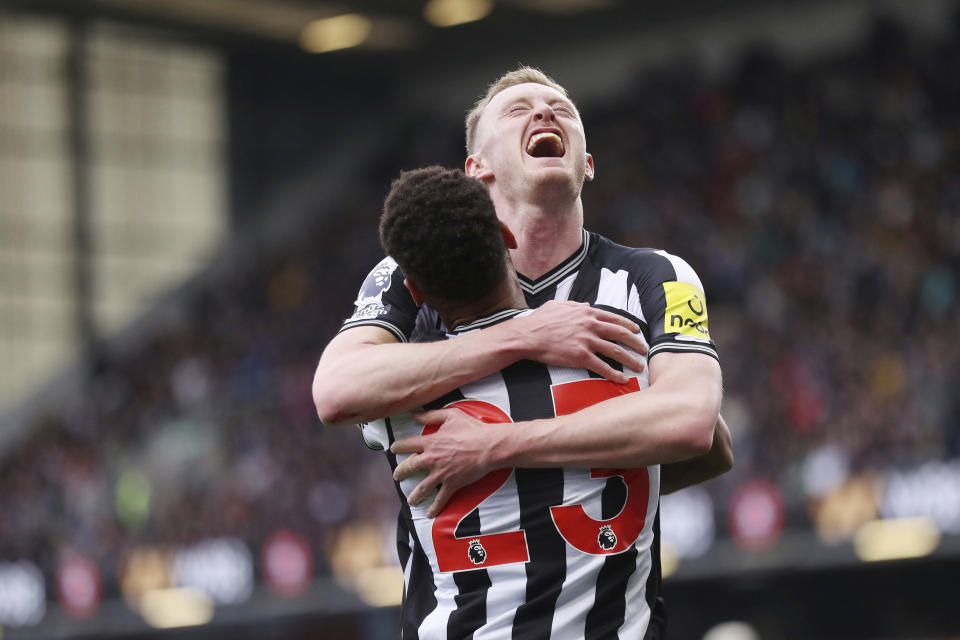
pixel 545 144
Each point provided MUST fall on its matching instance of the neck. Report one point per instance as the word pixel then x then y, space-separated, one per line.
pixel 507 295
pixel 546 235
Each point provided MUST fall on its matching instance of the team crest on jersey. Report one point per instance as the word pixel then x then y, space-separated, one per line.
pixel 476 552
pixel 607 539
pixel 369 303
pixel 686 311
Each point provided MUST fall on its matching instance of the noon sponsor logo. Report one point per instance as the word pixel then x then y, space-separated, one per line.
pixel 686 310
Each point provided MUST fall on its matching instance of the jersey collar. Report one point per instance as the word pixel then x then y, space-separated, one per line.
pixel 487 321
pixel 559 272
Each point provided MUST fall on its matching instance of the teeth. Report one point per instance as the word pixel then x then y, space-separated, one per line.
pixel 548 138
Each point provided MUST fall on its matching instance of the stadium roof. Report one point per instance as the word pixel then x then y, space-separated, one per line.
pixel 398 27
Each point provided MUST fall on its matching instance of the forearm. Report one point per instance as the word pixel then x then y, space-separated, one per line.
pixel 717 461
pixel 638 435
pixel 373 380
pixel 365 374
pixel 669 421
pixel 664 423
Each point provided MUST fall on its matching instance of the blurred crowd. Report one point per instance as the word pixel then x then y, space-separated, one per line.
pixel 819 202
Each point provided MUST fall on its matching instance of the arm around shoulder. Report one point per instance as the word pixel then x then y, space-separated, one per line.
pixel 669 421
pixel 338 378
pixel 365 373
pixel 716 462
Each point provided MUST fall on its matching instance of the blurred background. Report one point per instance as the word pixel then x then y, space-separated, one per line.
pixel 189 194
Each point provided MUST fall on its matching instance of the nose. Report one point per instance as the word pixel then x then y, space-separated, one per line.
pixel 544 112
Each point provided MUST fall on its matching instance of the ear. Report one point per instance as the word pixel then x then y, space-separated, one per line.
pixel 508 236
pixel 589 172
pixel 475 168
pixel 414 290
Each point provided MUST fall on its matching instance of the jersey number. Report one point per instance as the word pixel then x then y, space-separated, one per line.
pixel 474 552
pixel 582 532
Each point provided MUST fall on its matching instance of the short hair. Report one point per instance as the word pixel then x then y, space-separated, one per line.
pixel 442 229
pixel 521 75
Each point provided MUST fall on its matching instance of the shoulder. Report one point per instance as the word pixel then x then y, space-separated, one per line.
pixel 645 265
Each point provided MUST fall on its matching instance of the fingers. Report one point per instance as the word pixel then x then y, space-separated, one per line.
pixel 422 490
pixel 413 444
pixel 409 467
pixel 437 416
pixel 619 354
pixel 600 367
pixel 443 496
pixel 621 330
pixel 614 318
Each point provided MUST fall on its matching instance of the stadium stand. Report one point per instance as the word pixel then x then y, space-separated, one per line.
pixel 820 203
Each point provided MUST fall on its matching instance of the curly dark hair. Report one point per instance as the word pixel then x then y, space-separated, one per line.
pixel 442 229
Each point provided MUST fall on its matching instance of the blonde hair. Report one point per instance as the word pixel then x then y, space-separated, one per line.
pixel 522 75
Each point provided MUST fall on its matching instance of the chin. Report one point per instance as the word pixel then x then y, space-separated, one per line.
pixel 558 181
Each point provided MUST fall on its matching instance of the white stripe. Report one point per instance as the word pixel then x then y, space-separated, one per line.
pixel 675 346
pixel 509 582
pixel 580 582
pixel 434 626
pixel 684 271
pixel 563 289
pixel 499 514
pixel 613 288
pixel 486 320
pixel 637 614
pixel 633 303
pixel 406 568
pixel 350 324
pixel 490 389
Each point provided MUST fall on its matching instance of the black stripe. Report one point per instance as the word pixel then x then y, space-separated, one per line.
pixel 613 498
pixel 528 386
pixel 540 298
pixel 657 629
pixel 472 586
pixel 585 289
pixel 676 347
pixel 403 533
pixel 471 611
pixel 418 596
pixel 444 400
pixel 610 600
pixel 610 603
pixel 586 285
pixel 623 313
pixel 420 599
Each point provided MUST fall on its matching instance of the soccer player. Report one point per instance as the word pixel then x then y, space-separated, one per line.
pixel 514 553
pixel 526 143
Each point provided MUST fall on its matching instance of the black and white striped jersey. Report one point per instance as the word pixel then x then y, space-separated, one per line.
pixel 660 292
pixel 529 553
pixel 657 289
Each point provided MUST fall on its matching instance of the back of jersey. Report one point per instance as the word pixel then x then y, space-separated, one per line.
pixel 529 553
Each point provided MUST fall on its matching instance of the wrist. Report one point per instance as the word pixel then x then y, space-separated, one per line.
pixel 514 446
pixel 515 338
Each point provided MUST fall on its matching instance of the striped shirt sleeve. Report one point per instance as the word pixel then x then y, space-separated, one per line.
pixel 383 301
pixel 676 308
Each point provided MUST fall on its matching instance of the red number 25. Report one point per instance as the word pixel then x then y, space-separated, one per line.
pixel 582 532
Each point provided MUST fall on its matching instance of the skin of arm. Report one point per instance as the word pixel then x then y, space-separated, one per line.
pixel 365 374
pixel 671 420
pixel 716 462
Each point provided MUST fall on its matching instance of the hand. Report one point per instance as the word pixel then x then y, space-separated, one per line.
pixel 458 454
pixel 572 334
